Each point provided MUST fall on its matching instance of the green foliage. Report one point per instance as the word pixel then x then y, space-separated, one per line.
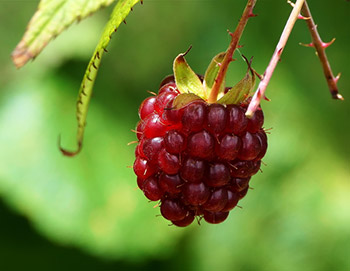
pixel 120 12
pixel 92 200
pixel 51 18
pixel 295 218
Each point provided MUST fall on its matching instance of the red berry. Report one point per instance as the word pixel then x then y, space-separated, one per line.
pixel 174 142
pixel 168 162
pixel 151 189
pixel 170 183
pixel 228 147
pixel 193 170
pixel 147 107
pixel 153 126
pixel 167 80
pixel 218 175
pixel 151 148
pixel 162 100
pixel 143 168
pixel 216 119
pixel 216 217
pixel 232 200
pixel 256 122
pixel 197 159
pixel 172 210
pixel 193 117
pixel 169 87
pixel 240 184
pixel 243 169
pixel 195 193
pixel 263 142
pixel 217 200
pixel 201 145
pixel 236 120
pixel 251 147
pixel 185 221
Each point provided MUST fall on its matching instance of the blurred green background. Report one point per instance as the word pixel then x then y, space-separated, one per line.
pixel 85 213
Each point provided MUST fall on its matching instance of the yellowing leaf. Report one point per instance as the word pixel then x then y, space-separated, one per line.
pixel 184 99
pixel 187 80
pixel 51 18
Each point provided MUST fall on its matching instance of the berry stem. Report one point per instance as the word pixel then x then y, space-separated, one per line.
pixel 320 47
pixel 260 92
pixel 235 37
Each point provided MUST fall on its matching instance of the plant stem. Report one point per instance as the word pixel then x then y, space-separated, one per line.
pixel 247 13
pixel 260 92
pixel 320 47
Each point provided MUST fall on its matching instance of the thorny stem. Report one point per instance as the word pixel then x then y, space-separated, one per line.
pixel 248 12
pixel 260 92
pixel 320 47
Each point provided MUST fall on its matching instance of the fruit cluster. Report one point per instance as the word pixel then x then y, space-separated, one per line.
pixel 196 160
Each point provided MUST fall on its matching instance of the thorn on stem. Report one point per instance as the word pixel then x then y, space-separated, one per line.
pixel 267 99
pixel 307 44
pixel 327 44
pixel 251 14
pixel 336 79
pixel 301 17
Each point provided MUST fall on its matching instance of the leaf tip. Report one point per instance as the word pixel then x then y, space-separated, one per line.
pixel 21 55
pixel 66 152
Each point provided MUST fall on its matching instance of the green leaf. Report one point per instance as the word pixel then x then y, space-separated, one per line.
pixel 184 99
pixel 211 73
pixel 120 12
pixel 187 80
pixel 90 202
pixel 242 89
pixel 50 19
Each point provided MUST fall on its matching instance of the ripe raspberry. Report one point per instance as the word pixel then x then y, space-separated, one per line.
pixel 197 159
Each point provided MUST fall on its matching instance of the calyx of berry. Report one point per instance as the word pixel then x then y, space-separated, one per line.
pixel 192 88
pixel 242 90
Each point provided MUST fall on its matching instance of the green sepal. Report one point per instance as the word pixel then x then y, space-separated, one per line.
pixel 212 72
pixel 184 99
pixel 242 90
pixel 187 81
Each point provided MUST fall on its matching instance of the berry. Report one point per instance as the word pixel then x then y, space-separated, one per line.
pixel 192 170
pixel 173 210
pixel 193 117
pixel 217 200
pixel 151 189
pixel 197 160
pixel 147 107
pixel 195 193
pixel 185 221
pixel 215 217
pixel 174 142
pixel 170 183
pixel 201 145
